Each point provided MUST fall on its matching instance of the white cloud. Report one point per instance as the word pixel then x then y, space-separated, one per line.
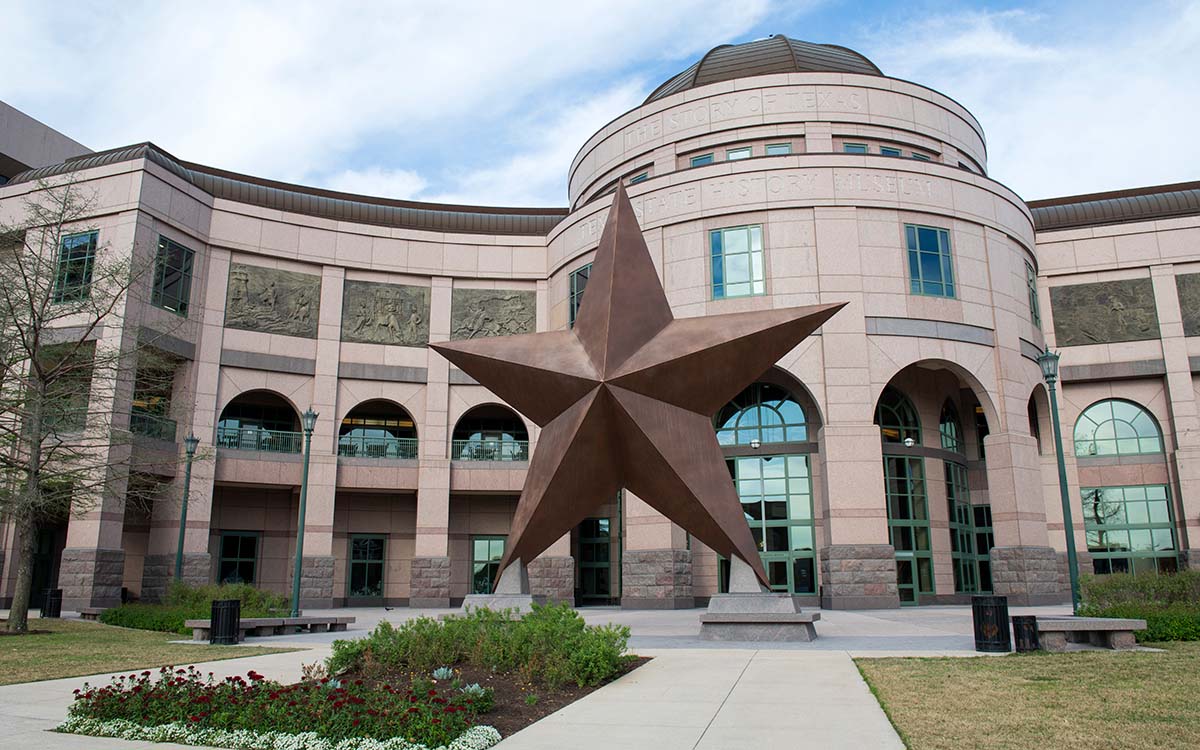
pixel 297 89
pixel 401 184
pixel 1069 107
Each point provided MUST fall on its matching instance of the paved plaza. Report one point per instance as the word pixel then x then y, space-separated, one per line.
pixel 692 695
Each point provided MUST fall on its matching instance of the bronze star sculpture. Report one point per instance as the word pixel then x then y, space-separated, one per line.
pixel 626 399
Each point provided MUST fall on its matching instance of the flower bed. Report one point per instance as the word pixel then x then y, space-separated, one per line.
pixel 253 712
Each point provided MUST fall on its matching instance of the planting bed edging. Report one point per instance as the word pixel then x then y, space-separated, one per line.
pixel 476 738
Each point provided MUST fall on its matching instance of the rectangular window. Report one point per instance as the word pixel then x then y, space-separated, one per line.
pixel 970 545
pixel 239 556
pixel 486 552
pixel 889 151
pixel 908 525
pixel 172 276
pixel 776 497
pixel 701 160
pixel 73 277
pixel 1031 284
pixel 734 154
pixel 1129 529
pixel 929 268
pixel 737 262
pixel 578 282
pixel 920 157
pixel 854 148
pixel 639 178
pixel 366 566
pixel 779 149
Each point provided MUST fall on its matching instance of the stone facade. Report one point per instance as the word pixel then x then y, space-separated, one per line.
pixel 657 579
pixel 158 570
pixel 91 577
pixel 552 579
pixel 1028 575
pixel 430 585
pixel 393 314
pixel 858 576
pixel 316 582
pixel 272 301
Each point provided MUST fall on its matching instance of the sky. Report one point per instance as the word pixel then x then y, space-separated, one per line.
pixel 486 103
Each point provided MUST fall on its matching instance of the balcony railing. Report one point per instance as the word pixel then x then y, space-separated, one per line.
pixel 260 439
pixel 489 450
pixel 357 446
pixel 152 425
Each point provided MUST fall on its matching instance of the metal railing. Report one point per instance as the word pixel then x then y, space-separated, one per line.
pixel 489 450
pixel 152 425
pixel 260 439
pixel 358 446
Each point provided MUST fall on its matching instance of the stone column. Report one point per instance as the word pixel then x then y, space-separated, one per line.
pixel 430 582
pixel 657 565
pixel 1025 567
pixel 552 574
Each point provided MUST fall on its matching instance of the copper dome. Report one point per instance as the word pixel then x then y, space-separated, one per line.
pixel 775 54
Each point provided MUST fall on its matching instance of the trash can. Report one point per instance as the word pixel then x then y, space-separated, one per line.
pixel 52 603
pixel 990 614
pixel 1025 633
pixel 225 625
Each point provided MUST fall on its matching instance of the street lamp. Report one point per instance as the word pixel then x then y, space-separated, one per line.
pixel 189 446
pixel 1048 361
pixel 309 420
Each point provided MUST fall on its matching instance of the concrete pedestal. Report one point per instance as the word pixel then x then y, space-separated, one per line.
pixel 511 592
pixel 749 612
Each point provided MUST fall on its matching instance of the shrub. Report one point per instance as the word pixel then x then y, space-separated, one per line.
pixel 184 602
pixel 418 713
pixel 550 644
pixel 1170 604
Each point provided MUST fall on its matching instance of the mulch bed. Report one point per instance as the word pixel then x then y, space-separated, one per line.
pixel 511 713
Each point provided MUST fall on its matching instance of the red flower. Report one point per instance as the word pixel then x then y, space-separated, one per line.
pixel 435 721
pixel 432 692
pixel 354 723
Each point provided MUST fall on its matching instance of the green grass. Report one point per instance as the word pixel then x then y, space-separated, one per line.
pixel 1094 700
pixel 74 649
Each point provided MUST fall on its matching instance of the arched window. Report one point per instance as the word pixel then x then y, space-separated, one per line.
pixel 950 428
pixel 763 412
pixel 260 421
pixel 490 433
pixel 896 417
pixel 1116 428
pixel 378 429
pixel 1035 424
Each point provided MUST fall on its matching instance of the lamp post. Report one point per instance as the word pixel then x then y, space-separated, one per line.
pixel 1048 361
pixel 189 446
pixel 309 419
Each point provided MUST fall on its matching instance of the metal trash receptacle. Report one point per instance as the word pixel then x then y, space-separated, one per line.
pixel 52 603
pixel 1025 633
pixel 225 625
pixel 990 614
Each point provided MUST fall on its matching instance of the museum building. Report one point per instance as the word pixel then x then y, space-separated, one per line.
pixel 902 455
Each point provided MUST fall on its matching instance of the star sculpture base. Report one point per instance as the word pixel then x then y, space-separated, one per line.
pixel 511 592
pixel 751 613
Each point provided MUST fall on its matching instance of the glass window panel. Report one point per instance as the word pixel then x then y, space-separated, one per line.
pixel 1162 539
pixel 734 154
pixel 1137 513
pixel 802 538
pixel 778 149
pixel 738 290
pixel 776 508
pixel 703 159
pixel 1158 512
pixel 854 148
pixel 1140 540
pixel 889 151
pixel 804 579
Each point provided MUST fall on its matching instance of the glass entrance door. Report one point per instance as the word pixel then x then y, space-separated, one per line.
pixel 595 561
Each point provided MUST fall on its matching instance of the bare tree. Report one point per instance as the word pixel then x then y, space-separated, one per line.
pixel 70 357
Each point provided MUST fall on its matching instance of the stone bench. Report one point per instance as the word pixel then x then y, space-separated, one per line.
pixel 267 626
pixel 1058 633
pixel 759 626
pixel 90 613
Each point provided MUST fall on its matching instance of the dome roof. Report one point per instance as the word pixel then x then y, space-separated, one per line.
pixel 775 54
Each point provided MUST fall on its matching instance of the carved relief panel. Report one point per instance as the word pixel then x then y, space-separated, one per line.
pixel 1188 286
pixel 375 313
pixel 475 313
pixel 272 301
pixel 1104 313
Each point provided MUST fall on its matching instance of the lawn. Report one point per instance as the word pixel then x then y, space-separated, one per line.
pixel 73 649
pixel 1098 700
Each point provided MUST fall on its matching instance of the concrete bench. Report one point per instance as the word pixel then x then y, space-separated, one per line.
pixel 90 613
pixel 1058 633
pixel 267 626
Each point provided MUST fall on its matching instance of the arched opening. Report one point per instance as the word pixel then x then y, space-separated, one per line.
pixel 378 429
pixel 906 494
pixel 897 418
pixel 490 432
pixel 1115 427
pixel 260 421
pixel 766 435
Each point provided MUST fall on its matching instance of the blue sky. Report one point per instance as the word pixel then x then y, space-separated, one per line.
pixel 488 102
